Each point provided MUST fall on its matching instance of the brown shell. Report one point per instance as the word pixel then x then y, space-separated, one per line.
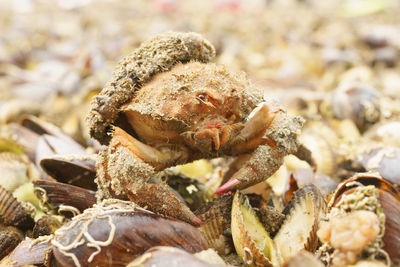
pixel 383 160
pixel 365 179
pixel 12 212
pixel 46 225
pixel 9 239
pixel 116 232
pixel 64 194
pixel 78 170
pixel 389 198
pixel 391 239
pixel 271 218
pixel 154 56
pixel 31 251
pixel 216 219
pixel 306 201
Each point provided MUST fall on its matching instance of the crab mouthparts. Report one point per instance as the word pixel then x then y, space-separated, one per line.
pixel 210 134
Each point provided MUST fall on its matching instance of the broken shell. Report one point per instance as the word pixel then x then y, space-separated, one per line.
pixel 46 225
pixel 10 237
pixel 216 220
pixel 252 242
pixel 170 257
pixel 385 203
pixel 299 229
pixel 116 232
pixel 78 170
pixel 13 212
pixel 56 194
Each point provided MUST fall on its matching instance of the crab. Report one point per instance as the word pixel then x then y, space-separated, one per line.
pixel 168 104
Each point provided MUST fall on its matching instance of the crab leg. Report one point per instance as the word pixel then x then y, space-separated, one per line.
pixel 156 158
pixel 278 140
pixel 133 164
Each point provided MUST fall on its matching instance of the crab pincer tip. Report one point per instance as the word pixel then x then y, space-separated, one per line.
pixel 196 220
pixel 228 185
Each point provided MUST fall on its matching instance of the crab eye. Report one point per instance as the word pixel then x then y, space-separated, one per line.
pixel 202 96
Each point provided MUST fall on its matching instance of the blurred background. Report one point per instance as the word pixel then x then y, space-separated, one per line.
pixel 55 55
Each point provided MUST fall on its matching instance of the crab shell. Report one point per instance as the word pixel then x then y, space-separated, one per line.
pixel 195 104
pixel 152 57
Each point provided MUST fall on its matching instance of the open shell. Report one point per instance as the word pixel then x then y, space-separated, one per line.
pixel 299 229
pixel 389 201
pixel 252 242
pixel 78 170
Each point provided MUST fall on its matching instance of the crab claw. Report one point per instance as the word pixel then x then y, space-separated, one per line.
pixel 226 186
pixel 278 139
pixel 160 199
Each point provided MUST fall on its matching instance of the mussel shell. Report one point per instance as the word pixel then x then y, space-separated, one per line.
pixel 384 160
pixel 64 194
pixel 358 102
pixel 389 199
pixel 46 225
pixel 271 218
pixel 78 170
pixel 12 212
pixel 216 220
pixel 391 239
pixel 116 232
pixel 10 237
pixel 299 229
pixel 169 257
pixel 251 240
pixel 364 179
pixel 27 138
pixel 41 127
pixel 31 252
